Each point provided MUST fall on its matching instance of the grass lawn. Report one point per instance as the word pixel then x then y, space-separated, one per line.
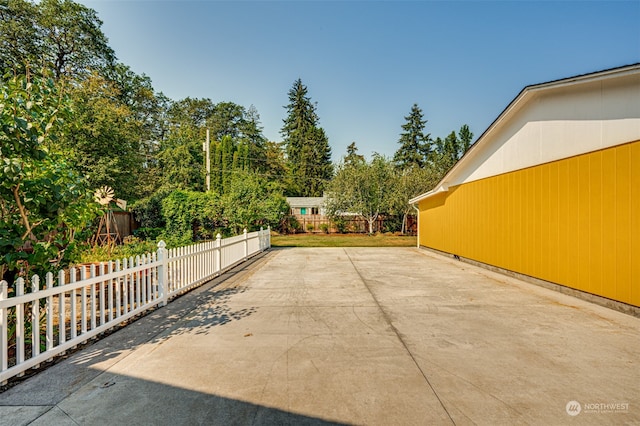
pixel 342 240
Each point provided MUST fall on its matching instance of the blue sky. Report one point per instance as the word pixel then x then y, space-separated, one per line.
pixel 365 63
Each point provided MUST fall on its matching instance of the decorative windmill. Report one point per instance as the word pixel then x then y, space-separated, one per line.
pixel 108 228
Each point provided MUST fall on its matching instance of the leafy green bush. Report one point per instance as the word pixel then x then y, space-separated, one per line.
pixel 341 224
pixel 44 203
pixel 251 202
pixel 290 225
pixel 148 211
pixel 190 216
pixel 147 233
pixel 131 247
pixel 392 223
pixel 324 227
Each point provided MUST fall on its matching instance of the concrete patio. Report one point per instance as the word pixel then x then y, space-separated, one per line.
pixel 389 336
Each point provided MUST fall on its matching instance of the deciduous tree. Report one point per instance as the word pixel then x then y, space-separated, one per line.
pixel 365 189
pixel 43 202
pixel 251 202
pixel 60 35
pixel 72 40
pixel 104 140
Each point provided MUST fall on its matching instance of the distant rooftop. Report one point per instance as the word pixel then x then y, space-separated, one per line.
pixel 305 201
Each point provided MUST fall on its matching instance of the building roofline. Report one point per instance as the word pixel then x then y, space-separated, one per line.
pixel 513 106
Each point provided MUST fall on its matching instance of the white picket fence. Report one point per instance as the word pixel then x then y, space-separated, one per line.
pixel 39 324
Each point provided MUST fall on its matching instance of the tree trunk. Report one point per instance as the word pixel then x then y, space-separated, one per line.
pixel 404 222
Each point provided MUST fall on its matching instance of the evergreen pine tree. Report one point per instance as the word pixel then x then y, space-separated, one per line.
pixel 352 156
pixel 306 146
pixel 415 145
pixel 465 136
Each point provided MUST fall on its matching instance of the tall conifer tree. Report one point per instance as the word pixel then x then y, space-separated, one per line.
pixel 306 146
pixel 415 145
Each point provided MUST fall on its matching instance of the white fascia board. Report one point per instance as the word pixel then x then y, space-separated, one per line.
pixel 443 187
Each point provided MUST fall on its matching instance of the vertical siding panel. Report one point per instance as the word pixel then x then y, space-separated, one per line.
pixel 635 223
pixel 582 245
pixel 478 207
pixel 522 256
pixel 442 226
pixel 435 228
pixel 460 220
pixel 571 243
pixel 422 222
pixel 478 217
pixel 469 207
pixel 537 221
pixel 511 234
pixel 425 213
pixel 609 223
pixel 545 222
pixel 595 194
pixel 508 240
pixel 562 254
pixel 456 217
pixel 553 256
pixel 492 219
pixel 623 251
pixel 480 220
pixel 498 217
pixel 469 215
pixel 439 224
pixel 447 231
pixel 527 216
pixel 520 188
pixel 504 200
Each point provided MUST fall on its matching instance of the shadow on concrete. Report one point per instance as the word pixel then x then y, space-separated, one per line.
pixel 198 311
pixel 108 401
pixel 82 390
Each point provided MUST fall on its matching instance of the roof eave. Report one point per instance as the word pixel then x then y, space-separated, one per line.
pixel 437 190
pixel 526 92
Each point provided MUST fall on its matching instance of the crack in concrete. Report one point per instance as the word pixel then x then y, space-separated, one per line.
pixel 399 336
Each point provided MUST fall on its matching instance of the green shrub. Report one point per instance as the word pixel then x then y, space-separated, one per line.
pixel 147 233
pixel 341 224
pixel 148 211
pixel 324 227
pixel 291 225
pixel 131 247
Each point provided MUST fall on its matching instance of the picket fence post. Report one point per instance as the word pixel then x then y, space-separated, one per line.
pixel 218 253
pixel 35 319
pixel 246 244
pixel 269 236
pixel 4 350
pixel 163 288
pixel 20 338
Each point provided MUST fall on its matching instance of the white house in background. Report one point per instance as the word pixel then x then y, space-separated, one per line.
pixel 305 206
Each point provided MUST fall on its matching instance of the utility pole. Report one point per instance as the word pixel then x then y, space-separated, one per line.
pixel 205 148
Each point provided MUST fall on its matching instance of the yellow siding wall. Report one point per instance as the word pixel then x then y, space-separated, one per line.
pixel 574 222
